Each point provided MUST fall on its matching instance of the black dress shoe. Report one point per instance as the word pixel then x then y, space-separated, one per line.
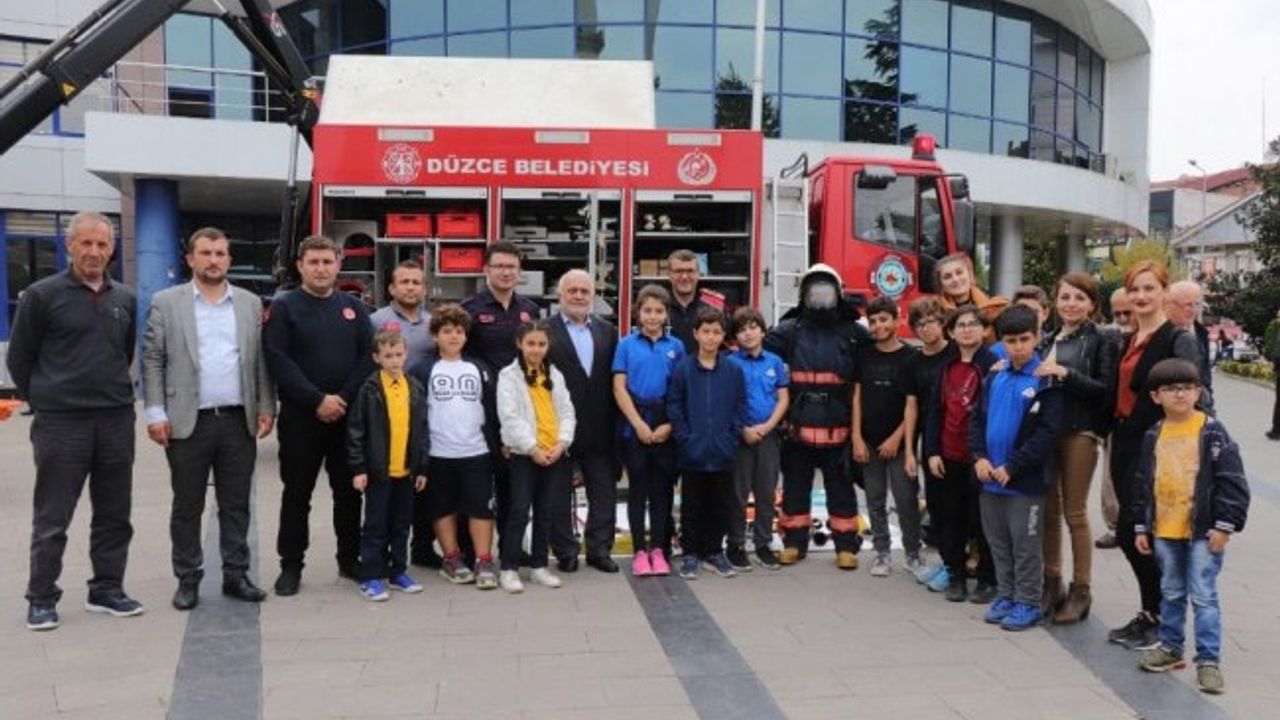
pixel 289 580
pixel 603 563
pixel 568 564
pixel 187 596
pixel 427 560
pixel 242 588
pixel 349 571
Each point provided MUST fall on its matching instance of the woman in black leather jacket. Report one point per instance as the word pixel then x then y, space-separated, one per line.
pixel 1080 357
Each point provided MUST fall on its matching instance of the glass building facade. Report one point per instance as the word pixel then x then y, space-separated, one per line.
pixel 981 75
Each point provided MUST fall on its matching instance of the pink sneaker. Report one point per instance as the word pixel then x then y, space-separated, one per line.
pixel 640 565
pixel 658 562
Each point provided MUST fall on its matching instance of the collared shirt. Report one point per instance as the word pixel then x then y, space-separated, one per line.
pixel 544 412
pixel 493 327
pixel 417 335
pixel 765 373
pixel 583 343
pixel 647 363
pixel 397 392
pixel 218 350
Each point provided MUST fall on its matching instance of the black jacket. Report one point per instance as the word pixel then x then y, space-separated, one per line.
pixel 369 430
pixel 1221 492
pixel 489 398
pixel 1167 341
pixel 71 347
pixel 592 397
pixel 1091 356
pixel 983 359
pixel 821 353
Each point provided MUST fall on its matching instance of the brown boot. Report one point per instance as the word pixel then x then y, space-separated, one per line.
pixel 1076 606
pixel 1054 593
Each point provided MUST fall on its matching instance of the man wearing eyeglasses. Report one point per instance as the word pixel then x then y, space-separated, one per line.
pixel 496 312
pixel 682 271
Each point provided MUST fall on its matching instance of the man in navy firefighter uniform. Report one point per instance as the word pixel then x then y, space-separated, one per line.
pixel 819 341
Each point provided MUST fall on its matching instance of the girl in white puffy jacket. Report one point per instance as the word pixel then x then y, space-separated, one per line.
pixel 537 424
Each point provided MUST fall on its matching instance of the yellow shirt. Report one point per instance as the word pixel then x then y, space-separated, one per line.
pixel 1177 462
pixel 397 392
pixel 544 411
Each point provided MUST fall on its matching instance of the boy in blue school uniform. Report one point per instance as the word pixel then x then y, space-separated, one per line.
pixel 706 402
pixel 1016 423
pixel 757 464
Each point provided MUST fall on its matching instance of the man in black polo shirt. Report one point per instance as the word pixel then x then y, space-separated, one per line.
pixel 682 271
pixel 317 343
pixel 69 354
pixel 496 312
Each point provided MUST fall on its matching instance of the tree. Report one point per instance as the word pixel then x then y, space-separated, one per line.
pixel 1122 259
pixel 1263 215
pixel 1252 298
pixel 1040 261
pixel 733 105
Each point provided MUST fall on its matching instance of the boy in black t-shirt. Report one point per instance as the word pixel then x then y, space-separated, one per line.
pixel 926 318
pixel 882 411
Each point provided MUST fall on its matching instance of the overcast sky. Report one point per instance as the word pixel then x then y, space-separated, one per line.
pixel 1208 64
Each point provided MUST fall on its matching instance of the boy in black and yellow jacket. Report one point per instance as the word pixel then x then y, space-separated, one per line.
pixel 387 450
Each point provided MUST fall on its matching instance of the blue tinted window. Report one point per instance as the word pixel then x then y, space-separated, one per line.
pixel 869 122
pixel 1044 46
pixel 685 11
pixel 736 48
pixel 1066 125
pixel 1042 146
pixel 554 42
pixel 415 17
pixel 1088 124
pixel 871 17
pixel 187 41
pixel 1043 91
pixel 1066 57
pixel 913 122
pixel 1013 93
pixel 682 57
pixel 972 134
pixel 489 44
pixel 970 85
pixel 924 77
pixel 871 69
pixel 611 42
pixel 971 26
pixel 677 109
pixel 609 11
pixel 1095 82
pixel 743 12
pixel 925 22
pixel 1013 39
pixel 810 65
pixel 424 47
pixel 810 118
pixel 813 15
pixel 1083 63
pixel 1009 139
pixel 543 12
pixel 476 15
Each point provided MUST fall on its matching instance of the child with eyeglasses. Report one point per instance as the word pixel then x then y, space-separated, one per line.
pixel 1190 497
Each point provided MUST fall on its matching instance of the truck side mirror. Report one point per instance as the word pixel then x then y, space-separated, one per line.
pixel 876 177
pixel 963 216
pixel 959 187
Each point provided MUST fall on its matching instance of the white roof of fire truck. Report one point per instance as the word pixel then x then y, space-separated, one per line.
pixel 484 92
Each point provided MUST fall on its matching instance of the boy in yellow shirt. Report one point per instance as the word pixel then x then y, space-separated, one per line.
pixel 1190 496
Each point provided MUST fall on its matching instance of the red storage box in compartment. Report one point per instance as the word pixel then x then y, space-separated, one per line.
pixel 459 224
pixel 408 225
pixel 460 258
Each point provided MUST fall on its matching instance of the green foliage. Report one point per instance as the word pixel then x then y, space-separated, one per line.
pixel 1249 298
pixel 1269 341
pixel 1040 261
pixel 1263 216
pixel 1252 299
pixel 1258 370
pixel 1122 259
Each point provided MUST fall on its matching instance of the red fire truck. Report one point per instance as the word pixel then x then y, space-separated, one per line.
pixel 618 202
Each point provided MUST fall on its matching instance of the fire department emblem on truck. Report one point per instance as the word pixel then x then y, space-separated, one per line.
pixel 696 168
pixel 891 277
pixel 401 164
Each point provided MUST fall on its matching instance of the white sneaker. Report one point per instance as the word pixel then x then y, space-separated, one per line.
pixel 880 566
pixel 509 580
pixel 917 566
pixel 545 578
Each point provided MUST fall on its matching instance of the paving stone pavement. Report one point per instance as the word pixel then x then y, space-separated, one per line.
pixel 807 642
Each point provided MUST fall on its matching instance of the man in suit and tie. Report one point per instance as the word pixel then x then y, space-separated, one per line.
pixel 208 393
pixel 582 348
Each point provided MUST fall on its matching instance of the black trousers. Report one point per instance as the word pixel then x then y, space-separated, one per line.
pixel 220 443
pixel 650 469
pixel 600 478
pixel 533 487
pixel 1126 444
pixel 798 465
pixel 705 502
pixel 424 531
pixel 305 445
pixel 957 519
pixel 70 448
pixel 384 537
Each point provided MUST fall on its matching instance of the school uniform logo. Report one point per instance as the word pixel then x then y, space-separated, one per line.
pixel 524 317
pixel 671 354
pixel 348 314
pixel 484 318
pixel 770 373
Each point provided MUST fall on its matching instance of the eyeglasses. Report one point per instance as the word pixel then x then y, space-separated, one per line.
pixel 968 325
pixel 684 271
pixel 505 267
pixel 1178 388
pixel 927 321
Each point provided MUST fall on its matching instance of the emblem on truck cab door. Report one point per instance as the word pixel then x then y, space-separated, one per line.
pixel 696 168
pixel 401 164
pixel 891 277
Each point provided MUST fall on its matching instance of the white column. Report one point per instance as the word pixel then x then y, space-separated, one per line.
pixel 1006 254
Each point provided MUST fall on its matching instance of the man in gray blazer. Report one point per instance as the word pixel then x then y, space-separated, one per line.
pixel 208 394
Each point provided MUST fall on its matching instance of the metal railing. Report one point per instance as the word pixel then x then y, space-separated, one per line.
pixel 192 91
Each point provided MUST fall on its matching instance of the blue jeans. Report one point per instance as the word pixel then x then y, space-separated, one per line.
pixel 1189 570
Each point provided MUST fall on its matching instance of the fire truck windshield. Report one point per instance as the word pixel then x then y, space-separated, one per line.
pixel 884 211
